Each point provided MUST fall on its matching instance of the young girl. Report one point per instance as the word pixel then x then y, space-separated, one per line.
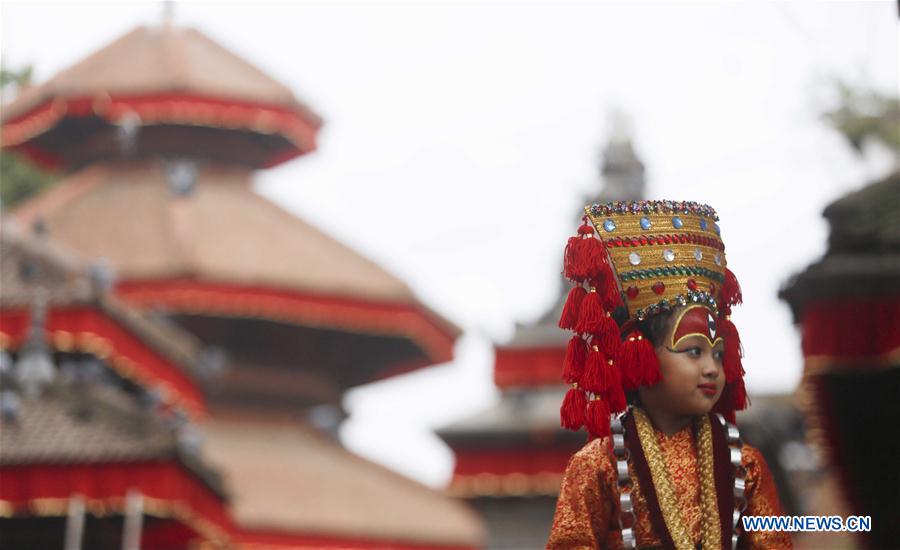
pixel 650 310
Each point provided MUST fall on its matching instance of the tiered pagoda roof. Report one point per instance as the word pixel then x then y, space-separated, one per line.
pixel 162 130
pixel 293 484
pixel 157 78
pixel 84 318
pixel 862 257
pixel 160 133
pixel 97 441
pixel 225 251
pixel 98 433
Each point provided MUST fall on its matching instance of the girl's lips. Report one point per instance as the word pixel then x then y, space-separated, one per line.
pixel 708 389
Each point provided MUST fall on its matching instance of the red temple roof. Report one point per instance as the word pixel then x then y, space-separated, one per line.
pixel 515 448
pixel 288 480
pixel 162 75
pixel 93 441
pixel 226 251
pixel 96 435
pixel 84 318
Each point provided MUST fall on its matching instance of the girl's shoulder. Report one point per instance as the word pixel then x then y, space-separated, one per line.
pixel 595 455
pixel 753 463
pixel 750 455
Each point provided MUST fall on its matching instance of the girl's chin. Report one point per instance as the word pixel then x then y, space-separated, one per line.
pixel 703 407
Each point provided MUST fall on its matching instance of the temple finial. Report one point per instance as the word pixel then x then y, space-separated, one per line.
pixel 168 12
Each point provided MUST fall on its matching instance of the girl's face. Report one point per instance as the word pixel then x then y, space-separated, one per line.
pixel 690 361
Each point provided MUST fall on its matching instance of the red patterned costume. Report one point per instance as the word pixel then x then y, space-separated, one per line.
pixel 633 486
pixel 589 499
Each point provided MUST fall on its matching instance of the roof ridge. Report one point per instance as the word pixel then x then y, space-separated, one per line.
pixel 240 60
pixel 92 57
pixel 172 50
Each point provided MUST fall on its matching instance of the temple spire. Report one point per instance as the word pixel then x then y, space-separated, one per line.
pixel 168 13
pixel 621 171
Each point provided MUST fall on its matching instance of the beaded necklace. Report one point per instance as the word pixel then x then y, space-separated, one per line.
pixel 662 486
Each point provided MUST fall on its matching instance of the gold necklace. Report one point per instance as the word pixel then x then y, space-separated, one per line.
pixel 711 531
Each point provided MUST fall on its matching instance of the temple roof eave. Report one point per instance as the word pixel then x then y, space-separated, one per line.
pixel 520 411
pixel 71 288
pixel 843 276
pixel 161 75
pixel 266 497
pixel 86 425
pixel 863 256
pixel 265 263
pixel 82 316
pixel 161 59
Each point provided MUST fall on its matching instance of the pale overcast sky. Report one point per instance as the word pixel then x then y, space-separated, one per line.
pixel 466 134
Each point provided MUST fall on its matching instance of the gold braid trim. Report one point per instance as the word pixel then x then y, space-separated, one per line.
pixel 711 526
pixel 665 492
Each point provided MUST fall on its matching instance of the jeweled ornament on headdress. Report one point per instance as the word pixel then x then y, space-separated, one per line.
pixel 647 257
pixel 664 253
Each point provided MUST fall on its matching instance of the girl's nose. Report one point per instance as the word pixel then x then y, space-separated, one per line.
pixel 710 367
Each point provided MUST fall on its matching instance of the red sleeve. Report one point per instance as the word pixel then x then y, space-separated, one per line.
pixel 584 508
pixel 762 500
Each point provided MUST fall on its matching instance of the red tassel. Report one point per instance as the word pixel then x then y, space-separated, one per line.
pixel 729 415
pixel 608 288
pixel 574 260
pixel 570 257
pixel 585 256
pixel 569 318
pixel 607 337
pixel 572 411
pixel 731 292
pixel 739 399
pixel 638 361
pixel 583 259
pixel 723 405
pixel 594 370
pixel 578 260
pixel 612 297
pixel 591 316
pixel 576 355
pixel 594 257
pixel 731 362
pixel 617 401
pixel 734 398
pixel 615 395
pixel 597 418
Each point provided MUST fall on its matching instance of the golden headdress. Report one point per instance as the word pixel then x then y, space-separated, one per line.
pixel 641 258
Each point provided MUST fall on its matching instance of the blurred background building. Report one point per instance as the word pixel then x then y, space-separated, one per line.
pixel 159 134
pixel 847 306
pixel 510 459
pixel 89 449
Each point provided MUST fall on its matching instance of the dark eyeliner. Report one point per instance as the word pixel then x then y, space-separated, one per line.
pixel 684 350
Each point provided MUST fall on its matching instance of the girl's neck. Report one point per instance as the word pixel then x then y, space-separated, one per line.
pixel 666 422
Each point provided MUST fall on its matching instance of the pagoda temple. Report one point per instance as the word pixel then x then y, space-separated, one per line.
pixel 159 134
pixel 847 306
pixel 510 459
pixel 93 450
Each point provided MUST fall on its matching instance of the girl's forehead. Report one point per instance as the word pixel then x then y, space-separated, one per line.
pixel 694 320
